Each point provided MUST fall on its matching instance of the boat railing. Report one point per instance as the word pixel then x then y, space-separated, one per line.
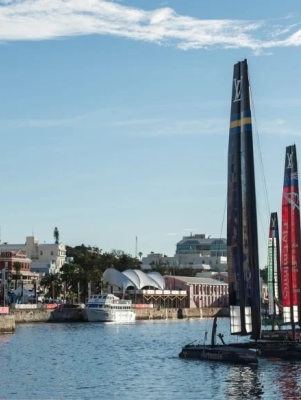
pixel 124 302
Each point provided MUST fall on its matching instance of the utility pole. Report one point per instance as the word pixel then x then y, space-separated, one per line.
pixel 136 247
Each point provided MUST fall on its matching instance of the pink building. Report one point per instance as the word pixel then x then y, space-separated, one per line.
pixel 9 258
pixel 203 292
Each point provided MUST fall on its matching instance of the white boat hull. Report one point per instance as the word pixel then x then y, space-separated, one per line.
pixel 99 315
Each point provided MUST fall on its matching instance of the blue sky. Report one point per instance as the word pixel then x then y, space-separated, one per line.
pixel 114 116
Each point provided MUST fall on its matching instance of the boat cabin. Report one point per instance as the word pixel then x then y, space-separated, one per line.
pixel 108 301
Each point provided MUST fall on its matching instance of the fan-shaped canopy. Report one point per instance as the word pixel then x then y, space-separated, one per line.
pixel 116 278
pixel 133 277
pixel 140 279
pixel 156 276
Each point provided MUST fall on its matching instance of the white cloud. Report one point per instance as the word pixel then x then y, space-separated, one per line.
pixel 42 20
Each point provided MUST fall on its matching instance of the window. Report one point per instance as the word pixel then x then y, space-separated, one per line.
pixel 41 253
pixel 52 253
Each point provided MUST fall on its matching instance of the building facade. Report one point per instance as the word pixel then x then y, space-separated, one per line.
pixel 46 258
pixel 202 292
pixel 8 260
pixel 199 252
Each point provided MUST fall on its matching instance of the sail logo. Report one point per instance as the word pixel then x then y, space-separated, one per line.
pixel 284 238
pixel 290 160
pixel 292 199
pixel 273 223
pixel 237 86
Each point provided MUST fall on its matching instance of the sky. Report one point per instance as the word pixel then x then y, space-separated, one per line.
pixel 114 116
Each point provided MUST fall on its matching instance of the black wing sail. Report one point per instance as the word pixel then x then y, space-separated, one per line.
pixel 242 242
pixel 274 275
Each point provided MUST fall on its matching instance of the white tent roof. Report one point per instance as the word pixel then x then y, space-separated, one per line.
pixel 133 277
pixel 158 278
pixel 114 277
pixel 140 279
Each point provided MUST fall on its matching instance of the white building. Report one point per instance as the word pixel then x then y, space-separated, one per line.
pixel 46 258
pixel 200 252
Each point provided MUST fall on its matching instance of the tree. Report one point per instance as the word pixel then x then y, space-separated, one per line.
pixel 264 274
pixel 159 266
pixel 17 268
pixel 70 275
pixel 53 285
pixel 56 235
pixel 89 265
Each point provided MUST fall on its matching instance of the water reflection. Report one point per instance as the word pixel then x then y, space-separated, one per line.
pixel 288 380
pixel 244 382
pixel 92 361
pixel 5 338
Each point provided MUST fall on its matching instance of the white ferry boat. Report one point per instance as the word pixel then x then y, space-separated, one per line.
pixel 108 308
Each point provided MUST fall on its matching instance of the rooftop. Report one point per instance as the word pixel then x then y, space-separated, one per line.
pixel 197 280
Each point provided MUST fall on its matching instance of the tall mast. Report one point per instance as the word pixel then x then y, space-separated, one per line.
pixel 242 241
pixel 274 280
pixel 290 243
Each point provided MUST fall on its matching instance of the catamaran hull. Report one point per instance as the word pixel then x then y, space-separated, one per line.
pixel 280 351
pixel 283 334
pixel 287 351
pixel 219 353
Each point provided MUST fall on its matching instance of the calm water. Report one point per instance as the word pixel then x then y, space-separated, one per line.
pixel 133 361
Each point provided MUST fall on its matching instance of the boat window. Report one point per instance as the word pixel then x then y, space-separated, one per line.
pixel 92 305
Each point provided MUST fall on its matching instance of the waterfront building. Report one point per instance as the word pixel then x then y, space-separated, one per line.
pixel 46 257
pixel 168 291
pixel 220 276
pixel 8 260
pixel 201 292
pixel 199 252
pixel 144 290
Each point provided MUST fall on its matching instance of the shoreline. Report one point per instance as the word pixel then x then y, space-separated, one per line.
pixel 39 315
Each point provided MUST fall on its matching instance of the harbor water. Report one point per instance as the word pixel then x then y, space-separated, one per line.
pixel 131 361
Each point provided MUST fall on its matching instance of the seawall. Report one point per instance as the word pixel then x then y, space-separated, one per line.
pixel 7 323
pixel 179 313
pixel 75 314
pixel 44 315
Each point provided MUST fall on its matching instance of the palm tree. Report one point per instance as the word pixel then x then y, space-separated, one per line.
pixel 140 254
pixel 17 268
pixel 53 284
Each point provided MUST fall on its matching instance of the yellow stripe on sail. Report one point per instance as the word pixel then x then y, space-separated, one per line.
pixel 241 122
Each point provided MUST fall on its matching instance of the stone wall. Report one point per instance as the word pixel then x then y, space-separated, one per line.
pixel 75 314
pixel 7 323
pixel 179 313
pixel 44 315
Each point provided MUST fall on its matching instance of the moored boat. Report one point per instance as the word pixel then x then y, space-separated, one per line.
pixel 242 242
pixel 290 277
pixel 222 353
pixel 108 308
